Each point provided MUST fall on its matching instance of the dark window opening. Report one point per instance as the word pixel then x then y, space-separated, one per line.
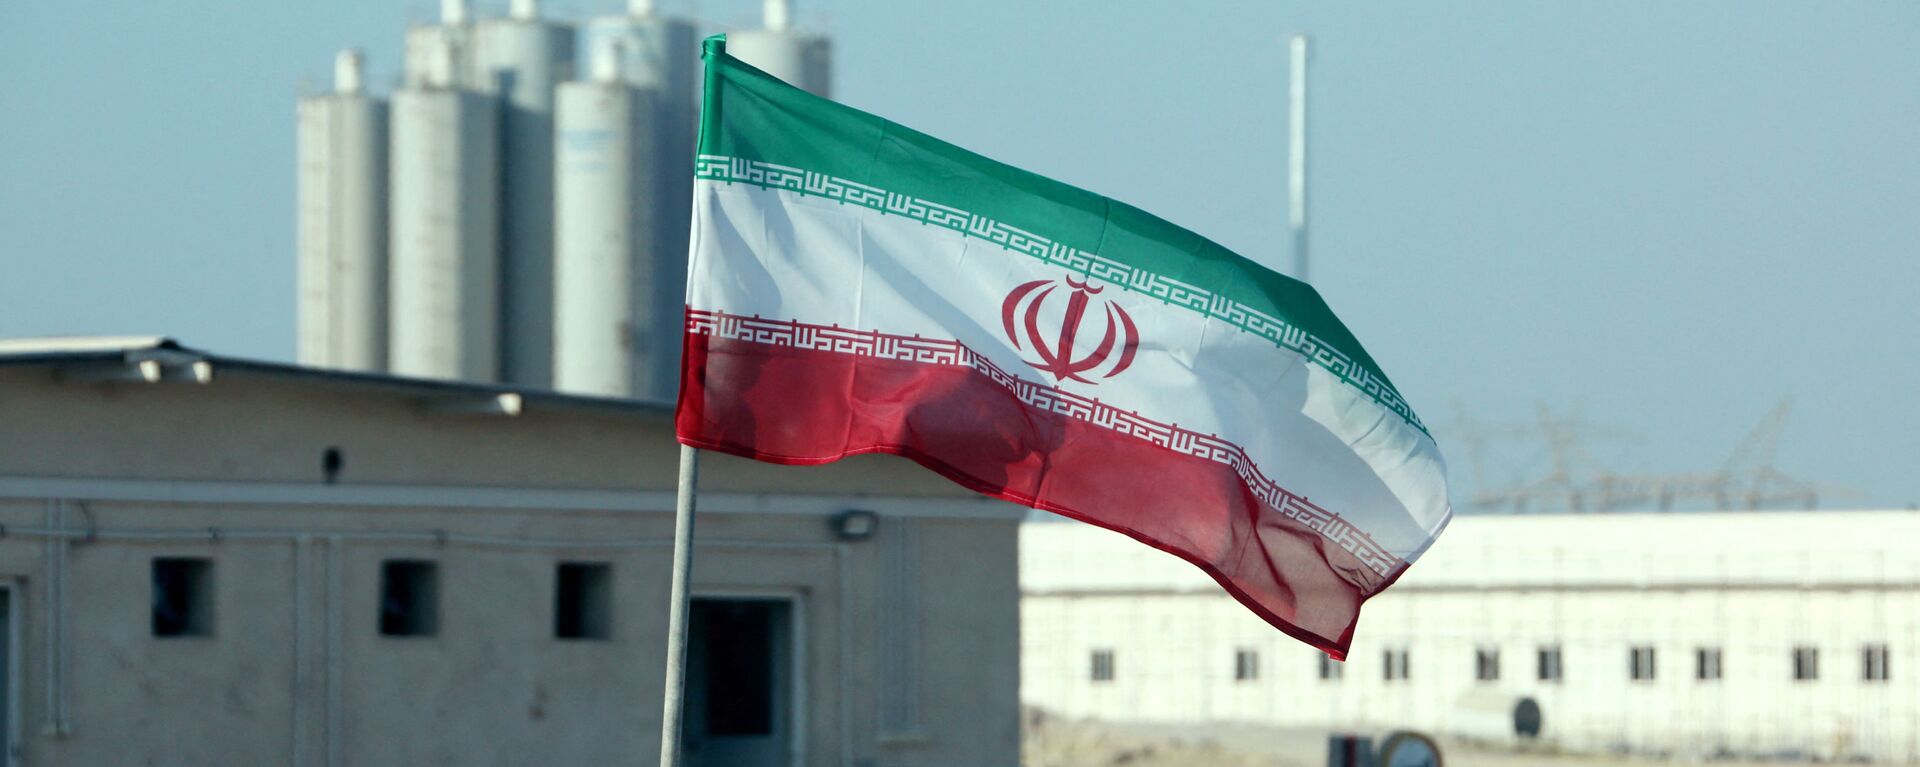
pixel 1640 664
pixel 583 600
pixel 1806 664
pixel 1706 664
pixel 1486 664
pixel 1549 666
pixel 1246 665
pixel 1102 666
pixel 1331 669
pixel 1394 665
pixel 1873 663
pixel 182 597
pixel 409 598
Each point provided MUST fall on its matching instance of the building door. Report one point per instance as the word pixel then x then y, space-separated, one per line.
pixel 740 683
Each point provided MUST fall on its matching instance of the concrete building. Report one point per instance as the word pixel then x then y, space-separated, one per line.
pixel 206 560
pixel 1699 635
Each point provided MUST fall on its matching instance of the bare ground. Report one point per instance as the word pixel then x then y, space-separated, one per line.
pixel 1051 741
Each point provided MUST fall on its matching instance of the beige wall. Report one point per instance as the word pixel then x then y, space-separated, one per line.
pixel 296 672
pixel 257 427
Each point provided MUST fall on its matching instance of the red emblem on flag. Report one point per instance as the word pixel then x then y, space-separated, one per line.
pixel 1020 314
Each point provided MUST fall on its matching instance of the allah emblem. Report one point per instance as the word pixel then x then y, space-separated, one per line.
pixel 1021 315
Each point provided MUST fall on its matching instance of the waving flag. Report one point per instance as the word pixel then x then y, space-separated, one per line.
pixel 859 287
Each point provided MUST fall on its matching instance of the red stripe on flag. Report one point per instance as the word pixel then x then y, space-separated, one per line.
pixel 790 405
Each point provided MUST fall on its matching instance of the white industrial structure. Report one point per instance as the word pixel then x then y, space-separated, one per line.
pixel 215 561
pixel 521 59
pixel 444 283
pixel 527 227
pixel 624 137
pixel 612 281
pixel 343 224
pixel 803 59
pixel 1743 634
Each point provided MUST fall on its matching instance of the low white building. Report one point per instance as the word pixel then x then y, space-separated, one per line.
pixel 1790 634
pixel 207 560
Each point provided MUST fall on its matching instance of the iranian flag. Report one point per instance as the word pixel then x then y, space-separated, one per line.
pixel 860 287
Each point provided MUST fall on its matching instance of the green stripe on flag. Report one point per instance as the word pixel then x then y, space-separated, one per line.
pixel 757 129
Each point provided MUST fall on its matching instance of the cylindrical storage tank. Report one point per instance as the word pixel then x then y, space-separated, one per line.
pixel 521 59
pixel 442 53
pixel 660 54
pixel 619 296
pixel 657 52
pixel 445 247
pixel 342 259
pixel 802 60
pixel 1495 716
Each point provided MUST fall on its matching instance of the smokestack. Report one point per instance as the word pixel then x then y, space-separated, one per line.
pixel 453 11
pixel 524 9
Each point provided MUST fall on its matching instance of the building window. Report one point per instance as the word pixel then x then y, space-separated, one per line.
pixel 1246 665
pixel 1806 663
pixel 1549 665
pixel 1102 665
pixel 583 600
pixel 182 597
pixel 1706 664
pixel 1486 664
pixel 1330 669
pixel 1873 663
pixel 1394 664
pixel 409 598
pixel 1640 663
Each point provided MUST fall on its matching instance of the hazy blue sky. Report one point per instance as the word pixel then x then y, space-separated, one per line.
pixel 1673 213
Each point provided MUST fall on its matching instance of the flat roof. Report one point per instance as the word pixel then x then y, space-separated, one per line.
pixel 157 358
pixel 1693 549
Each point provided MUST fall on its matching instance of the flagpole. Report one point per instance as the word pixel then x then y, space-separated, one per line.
pixel 674 708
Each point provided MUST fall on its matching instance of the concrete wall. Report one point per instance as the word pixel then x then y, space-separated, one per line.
pixel 1836 582
pixel 296 672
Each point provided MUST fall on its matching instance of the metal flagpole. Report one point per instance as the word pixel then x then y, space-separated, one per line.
pixel 1297 152
pixel 674 709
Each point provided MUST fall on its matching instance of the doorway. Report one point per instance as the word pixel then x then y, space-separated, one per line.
pixel 9 674
pixel 741 682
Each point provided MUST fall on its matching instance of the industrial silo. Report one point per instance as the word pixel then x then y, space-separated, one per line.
pixel 445 278
pixel 802 59
pixel 625 195
pixel 520 59
pixel 343 224
pixel 619 295
pixel 427 46
pixel 658 52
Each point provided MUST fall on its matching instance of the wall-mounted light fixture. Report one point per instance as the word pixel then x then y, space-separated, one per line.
pixel 856 524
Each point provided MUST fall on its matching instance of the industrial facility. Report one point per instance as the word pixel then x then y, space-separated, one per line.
pixel 207 560
pixel 1788 635
pixel 444 536
pixel 516 210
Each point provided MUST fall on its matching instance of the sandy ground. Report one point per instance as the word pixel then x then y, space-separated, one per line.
pixel 1050 741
